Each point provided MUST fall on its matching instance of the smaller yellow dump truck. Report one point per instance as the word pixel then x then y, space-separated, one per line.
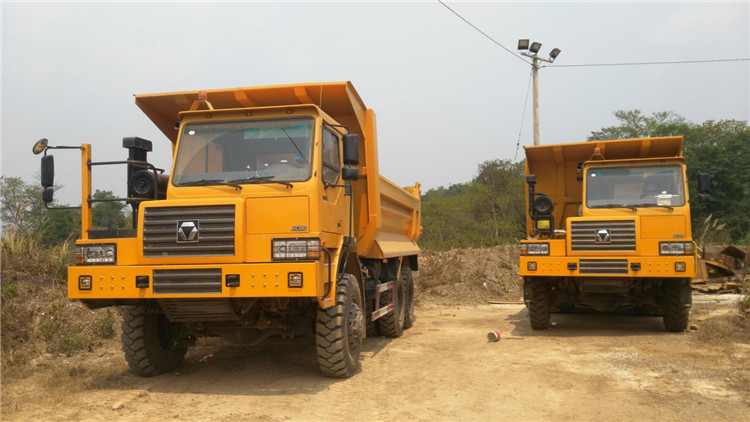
pixel 608 227
pixel 274 221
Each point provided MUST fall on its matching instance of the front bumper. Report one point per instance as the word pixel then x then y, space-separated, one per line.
pixel 565 266
pixel 255 280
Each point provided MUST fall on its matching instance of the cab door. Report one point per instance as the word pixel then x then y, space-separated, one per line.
pixel 334 218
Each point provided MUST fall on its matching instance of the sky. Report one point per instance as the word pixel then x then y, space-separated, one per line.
pixel 446 97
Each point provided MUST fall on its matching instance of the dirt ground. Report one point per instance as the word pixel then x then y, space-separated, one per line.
pixel 613 367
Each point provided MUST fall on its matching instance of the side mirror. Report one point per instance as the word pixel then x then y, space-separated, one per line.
pixel 350 173
pixel 40 146
pixel 351 150
pixel 704 183
pixel 47 195
pixel 48 171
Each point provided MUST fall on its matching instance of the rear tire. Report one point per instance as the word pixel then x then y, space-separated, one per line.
pixel 392 325
pixel 339 331
pixel 676 313
pixel 409 315
pixel 539 305
pixel 149 342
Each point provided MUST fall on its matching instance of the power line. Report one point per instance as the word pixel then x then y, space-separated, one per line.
pixel 650 63
pixel 482 32
pixel 523 115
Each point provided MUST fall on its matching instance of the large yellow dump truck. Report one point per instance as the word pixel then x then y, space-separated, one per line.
pixel 608 227
pixel 274 221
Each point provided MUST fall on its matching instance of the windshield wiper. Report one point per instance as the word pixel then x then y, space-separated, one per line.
pixel 260 179
pixel 652 205
pixel 207 182
pixel 631 207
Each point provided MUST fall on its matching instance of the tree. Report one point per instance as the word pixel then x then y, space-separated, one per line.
pixel 22 208
pixel 109 215
pixel 633 124
pixel 487 211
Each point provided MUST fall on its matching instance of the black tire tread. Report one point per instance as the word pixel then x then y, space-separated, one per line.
pixel 392 324
pixel 409 315
pixel 676 315
pixel 330 332
pixel 145 359
pixel 539 306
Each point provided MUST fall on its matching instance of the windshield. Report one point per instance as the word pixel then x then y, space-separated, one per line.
pixel 643 186
pixel 261 151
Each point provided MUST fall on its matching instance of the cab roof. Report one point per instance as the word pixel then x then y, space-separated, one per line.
pixel 337 99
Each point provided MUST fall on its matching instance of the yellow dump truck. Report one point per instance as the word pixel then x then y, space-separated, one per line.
pixel 608 227
pixel 274 221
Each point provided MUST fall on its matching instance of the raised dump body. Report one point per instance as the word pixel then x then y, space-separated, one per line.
pixel 274 221
pixel 608 227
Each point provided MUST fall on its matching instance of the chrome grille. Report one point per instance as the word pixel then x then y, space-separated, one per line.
pixel 583 235
pixel 215 235
pixel 187 281
pixel 603 266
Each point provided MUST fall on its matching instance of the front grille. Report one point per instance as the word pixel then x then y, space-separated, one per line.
pixel 214 231
pixel 603 266
pixel 583 236
pixel 187 281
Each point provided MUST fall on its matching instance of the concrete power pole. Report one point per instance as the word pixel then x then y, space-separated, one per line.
pixel 535 76
pixel 534 49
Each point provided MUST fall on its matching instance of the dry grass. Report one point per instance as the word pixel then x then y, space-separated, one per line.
pixel 24 252
pixel 36 316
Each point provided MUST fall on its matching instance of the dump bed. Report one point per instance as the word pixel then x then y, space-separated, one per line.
pixel 558 167
pixel 387 217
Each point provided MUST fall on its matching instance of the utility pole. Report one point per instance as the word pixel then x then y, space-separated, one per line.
pixel 535 59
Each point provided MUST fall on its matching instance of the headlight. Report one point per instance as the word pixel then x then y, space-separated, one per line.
pixel 534 248
pixel 296 248
pixel 97 254
pixel 675 248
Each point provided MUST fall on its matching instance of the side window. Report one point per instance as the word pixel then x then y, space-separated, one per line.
pixel 331 161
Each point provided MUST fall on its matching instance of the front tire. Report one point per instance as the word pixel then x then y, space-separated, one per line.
pixel 676 312
pixel 539 305
pixel 149 342
pixel 339 331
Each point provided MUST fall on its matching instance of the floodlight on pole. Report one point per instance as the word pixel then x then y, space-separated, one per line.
pixel 523 44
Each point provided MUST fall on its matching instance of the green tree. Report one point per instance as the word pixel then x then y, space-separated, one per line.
pixel 633 124
pixel 503 202
pixel 110 215
pixel 484 212
pixel 22 208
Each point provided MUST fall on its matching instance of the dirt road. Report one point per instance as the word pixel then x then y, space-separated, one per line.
pixel 610 367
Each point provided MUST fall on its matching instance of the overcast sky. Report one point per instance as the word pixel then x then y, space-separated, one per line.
pixel 446 97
